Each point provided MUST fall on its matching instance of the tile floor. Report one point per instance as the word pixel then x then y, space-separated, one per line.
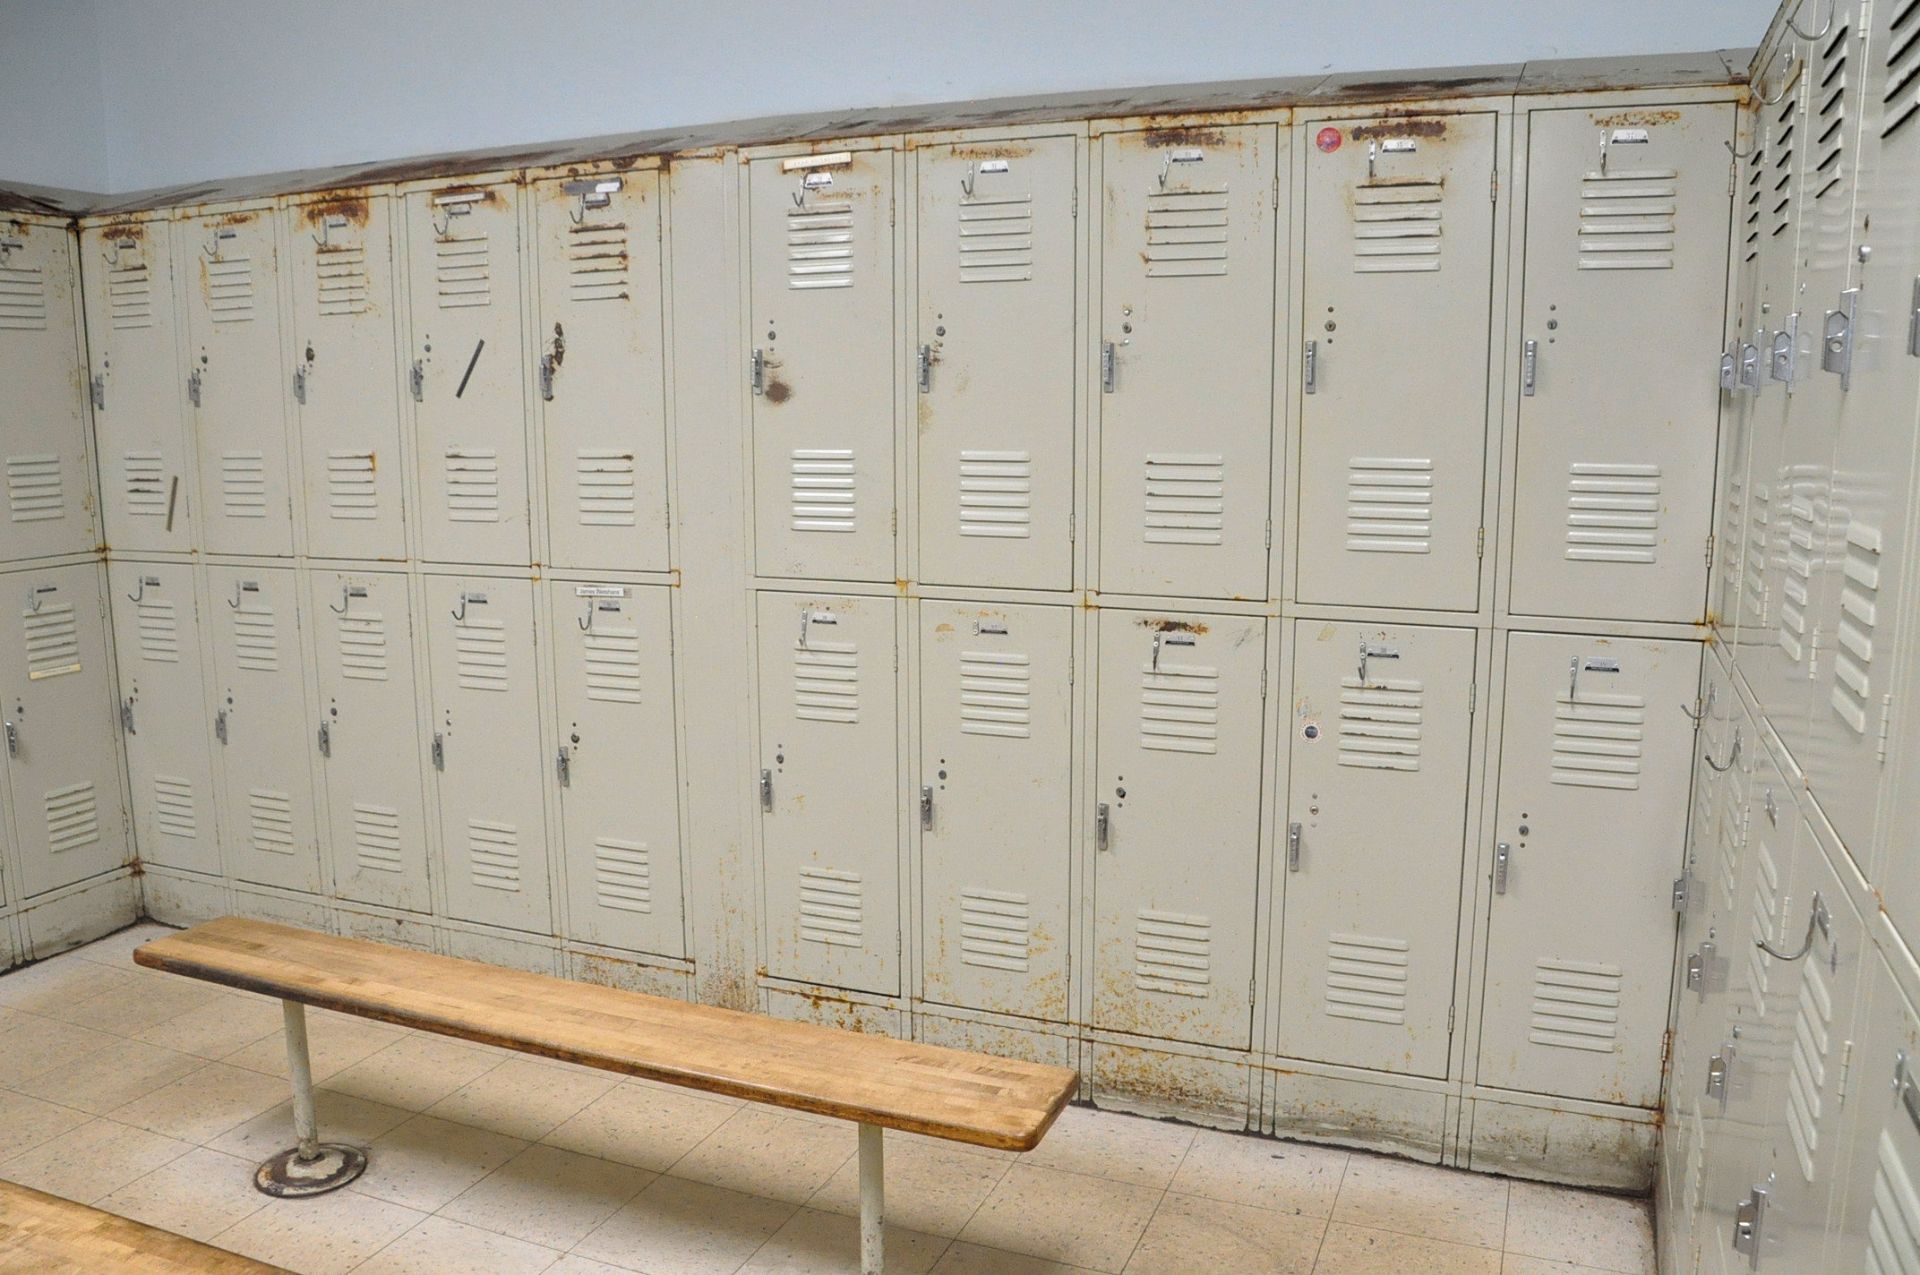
pixel 152 1096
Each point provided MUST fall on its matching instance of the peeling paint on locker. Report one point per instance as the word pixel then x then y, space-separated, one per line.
pixel 47 507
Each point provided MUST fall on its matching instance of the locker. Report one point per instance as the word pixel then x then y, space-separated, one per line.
pixel 234 381
pixel 1877 1224
pixel 996 363
pixel 821 333
pixel 1376 793
pixel 467 373
pixel 829 825
pixel 1617 373
pixel 137 384
pixel 346 380
pixel 601 370
pixel 493 845
pixel 1591 816
pixel 260 727
pixel 163 714
pixel 368 738
pixel 1179 703
pixel 1393 417
pixel 1186 327
pixel 65 786
pixel 617 767
pixel 45 445
pixel 996 761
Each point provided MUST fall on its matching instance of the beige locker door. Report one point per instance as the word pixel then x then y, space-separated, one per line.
pixel 821 334
pixel 1592 812
pixel 1618 367
pixel 480 639
pixel 1381 725
pixel 1876 1223
pixel 601 370
pixel 1397 306
pixel 368 738
pixel 346 383
pixel 235 383
pixel 137 384
pixel 996 768
pixel 617 769
pixel 468 373
pixel 1186 325
pixel 829 822
pixel 260 727
pixel 1177 825
pixel 44 444
pixel 64 783
pixel 996 340
pixel 156 642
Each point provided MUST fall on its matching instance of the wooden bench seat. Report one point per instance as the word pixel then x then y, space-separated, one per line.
pixel 43 1234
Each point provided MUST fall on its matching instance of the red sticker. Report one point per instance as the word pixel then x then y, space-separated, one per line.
pixel 1328 139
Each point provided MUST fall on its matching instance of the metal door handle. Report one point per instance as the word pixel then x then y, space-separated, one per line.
pixel 220 726
pixel 1100 826
pixel 546 378
pixel 1747 1222
pixel 126 717
pixel 1293 847
pixel 1502 853
pixel 1311 367
pixel 193 387
pixel 563 767
pixel 300 386
pixel 417 381
pixel 757 372
pixel 1106 367
pixel 439 751
pixel 766 790
pixel 326 739
pixel 926 806
pixel 1529 367
pixel 99 390
pixel 925 369
pixel 13 740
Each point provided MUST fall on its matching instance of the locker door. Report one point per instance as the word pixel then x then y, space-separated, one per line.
pixel 234 381
pixel 1393 421
pixel 345 380
pixel 65 787
pixel 824 372
pixel 128 280
pixel 1621 320
pixel 156 639
pixel 1381 725
pixel 44 447
pixel 618 773
pixel 829 832
pixel 1180 715
pixel 492 820
pixel 601 369
pixel 1186 324
pixel 260 725
pixel 996 763
pixel 996 346
pixel 1592 814
pixel 369 738
pixel 468 373
pixel 1877 1225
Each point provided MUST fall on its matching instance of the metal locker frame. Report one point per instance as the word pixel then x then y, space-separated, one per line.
pixel 48 452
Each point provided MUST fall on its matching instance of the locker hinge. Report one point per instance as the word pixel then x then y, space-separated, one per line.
pixel 1813 654
pixel 889 211
pixel 1733 176
pixel 1263 683
pixel 1250 991
pixel 1480 543
pixel 1269 533
pixel 1073 527
pixel 1076 202
pixel 1473 698
pixel 1886 726
pixel 1709 551
pixel 1846 1072
pixel 1493 197
pixel 1450 1009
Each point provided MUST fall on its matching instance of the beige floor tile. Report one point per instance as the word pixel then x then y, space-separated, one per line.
pixel 930 1188
pixel 574 1264
pixel 678 1227
pixel 1191 1234
pixel 767 1153
pixel 640 1125
pixel 218 1029
pixel 413 1072
pixel 94 1160
pixel 1064 1217
pixel 31 1045
pixel 332 1047
pixel 26 1123
pixel 1423 1199
pixel 816 1243
pixel 199 1195
pixel 548 1196
pixel 1264 1172
pixel 442 1246
pixel 117 949
pixel 144 999
pixel 525 1099
pixel 1107 1144
pixel 323 1235
pixel 59 983
pixel 424 1163
pixel 1515 1264
pixel 1359 1250
pixel 354 1121
pixel 113 1076
pixel 1565 1225
pixel 977 1259
pixel 201 1106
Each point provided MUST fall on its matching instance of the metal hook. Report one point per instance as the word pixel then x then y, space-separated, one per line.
pixel 1732 757
pixel 442 223
pixel 966 183
pixel 1706 710
pixel 1799 65
pixel 114 258
pixel 800 197
pixel 586 624
pixel 1373 153
pixel 1818 919
pixel 806 619
pixel 1573 679
pixel 342 608
pixel 1741 156
pixel 140 581
pixel 235 604
pixel 1158 638
pixel 212 247
pixel 1166 168
pixel 1606 135
pixel 242 586
pixel 460 616
pixel 1833 9
pixel 33 601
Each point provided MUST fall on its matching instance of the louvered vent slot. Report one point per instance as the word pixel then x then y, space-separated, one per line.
pixel 604 480
pixel 1390 504
pixel 1807 1078
pixel 1902 95
pixel 23 299
pixel 996 694
pixel 1186 233
pixel 1780 192
pixel 363 646
pixel 175 813
pixel 832 907
pixel 996 494
pixel 1186 498
pixel 159 631
pixel 480 654
pixel 1627 219
pixel 1180 708
pixel 52 640
pixel 820 245
pixel 463 271
pixel 996 929
pixel 996 239
pixel 1613 513
pixel 1754 556
pixel 826 682
pixel 73 817
pixel 144 476
pixel 1852 691
pixel 1576 1005
pixel 1598 740
pixel 822 489
pixel 1731 844
pixel 129 297
pixel 1796 578
pixel 473 484
pixel 1829 157
pixel 611 653
pixel 493 855
pixel 376 837
pixel 1367 978
pixel 353 493
pixel 36 490
pixel 1396 227
pixel 1893 1228
pixel 243 484
pixel 1380 723
pixel 1753 207
pixel 256 638
pixel 340 280
pixel 1766 901
pixel 1172 953
pixel 597 262
pixel 270 821
pixel 230 289
pixel 622 875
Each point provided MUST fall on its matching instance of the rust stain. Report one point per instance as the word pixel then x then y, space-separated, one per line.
pixel 1399 128
pixel 352 207
pixel 1438 86
pixel 777 391
pixel 1211 136
pixel 1165 624
pixel 999 150
pixel 1635 119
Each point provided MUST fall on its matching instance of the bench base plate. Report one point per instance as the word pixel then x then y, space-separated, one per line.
pixel 289 1176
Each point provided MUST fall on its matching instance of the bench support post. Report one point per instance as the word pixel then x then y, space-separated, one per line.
pixel 873 1206
pixel 310 1167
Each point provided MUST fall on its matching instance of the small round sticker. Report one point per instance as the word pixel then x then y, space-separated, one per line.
pixel 1328 139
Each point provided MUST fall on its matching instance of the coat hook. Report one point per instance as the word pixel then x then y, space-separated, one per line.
pixel 1166 168
pixel 1158 638
pixel 235 604
pixel 806 619
pixel 586 621
pixel 1833 8
pixel 113 258
pixel 1373 153
pixel 1573 679
pixel 800 197
pixel 442 223
pixel 344 603
pixel 1819 919
pixel 1363 656
pixel 460 616
pixel 33 601
pixel 1799 65
pixel 1732 757
pixel 966 183
pixel 141 583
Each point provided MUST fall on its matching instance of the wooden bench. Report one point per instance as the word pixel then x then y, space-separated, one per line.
pixel 44 1235
pixel 876 1081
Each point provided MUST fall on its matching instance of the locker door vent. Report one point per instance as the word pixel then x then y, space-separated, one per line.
pixel 52 641
pixel 175 813
pixel 995 929
pixel 1893 1229
pixel 832 907
pixel 1613 512
pixel 1173 953
pixel 1390 504
pixel 376 837
pixel 1902 95
pixel 493 855
pixel 1396 227
pixel 36 490
pixel 256 639
pixel 23 299
pixel 1380 723
pixel 352 491
pixel 1576 1005
pixel 73 817
pixel 612 657
pixel 823 489
pixel 243 484
pixel 159 631
pixel 363 646
pixel 1782 150
pixel 340 280
pixel 1186 233
pixel 996 494
pixel 1367 978
pixel 604 476
pixel 1796 578
pixel 1731 844
pixel 826 682
pixel 1859 612
pixel 622 875
pixel 1754 558
pixel 1807 1080
pixel 270 820
pixel 1766 899
pixel 1597 740
pixel 1757 172
pixel 129 297
pixel 820 245
pixel 1830 116
pixel 1186 498
pixel 996 239
pixel 480 654
pixel 996 694
pixel 597 262
pixel 473 484
pixel 463 271
pixel 1180 708
pixel 1627 219
pixel 145 477
pixel 229 289
pixel 1733 535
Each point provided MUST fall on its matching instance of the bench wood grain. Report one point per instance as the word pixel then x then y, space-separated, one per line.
pixel 46 1235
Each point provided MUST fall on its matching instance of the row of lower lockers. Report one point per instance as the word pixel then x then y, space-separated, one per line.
pixel 346 703
pixel 926 328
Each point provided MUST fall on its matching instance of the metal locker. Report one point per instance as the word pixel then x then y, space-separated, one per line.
pixel 467 373
pixel 346 382
pixel 1381 726
pixel 260 727
pixel 65 787
pixel 1590 822
pixel 1396 310
pixel 1176 820
pixel 163 714
pixel 829 826
pixel 995 361
pixel 1186 417
pixel 616 766
pixel 601 369
pixel 1618 367
pixel 137 384
pixel 367 738
pixel 822 363
pixel 44 450
pixel 996 763
pixel 234 381
pixel 1876 1224
pixel 480 651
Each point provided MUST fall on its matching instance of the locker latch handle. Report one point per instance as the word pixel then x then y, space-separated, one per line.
pixel 1529 367
pixel 563 767
pixel 1719 1073
pixel 126 717
pixel 220 726
pixel 98 389
pixel 1784 354
pixel 1293 847
pixel 1107 367
pixel 757 373
pixel 193 387
pixel 926 807
pixel 1502 855
pixel 766 790
pixel 300 386
pixel 326 739
pixel 924 369
pixel 1310 368
pixel 417 381
pixel 1836 345
pixel 546 378
pixel 1749 366
pixel 1748 1219
pixel 439 751
pixel 13 740
pixel 1101 827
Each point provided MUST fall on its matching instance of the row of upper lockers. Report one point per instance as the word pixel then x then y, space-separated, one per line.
pixel 962 371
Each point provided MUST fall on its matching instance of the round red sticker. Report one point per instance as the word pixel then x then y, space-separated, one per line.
pixel 1328 139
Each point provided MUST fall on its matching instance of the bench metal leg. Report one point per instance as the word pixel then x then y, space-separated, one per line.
pixel 311 1167
pixel 873 1207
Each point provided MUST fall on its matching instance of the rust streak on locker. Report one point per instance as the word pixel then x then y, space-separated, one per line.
pixel 1399 128
pixel 777 391
pixel 1184 137
pixel 353 207
pixel 1163 624
pixel 999 150
pixel 1635 119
